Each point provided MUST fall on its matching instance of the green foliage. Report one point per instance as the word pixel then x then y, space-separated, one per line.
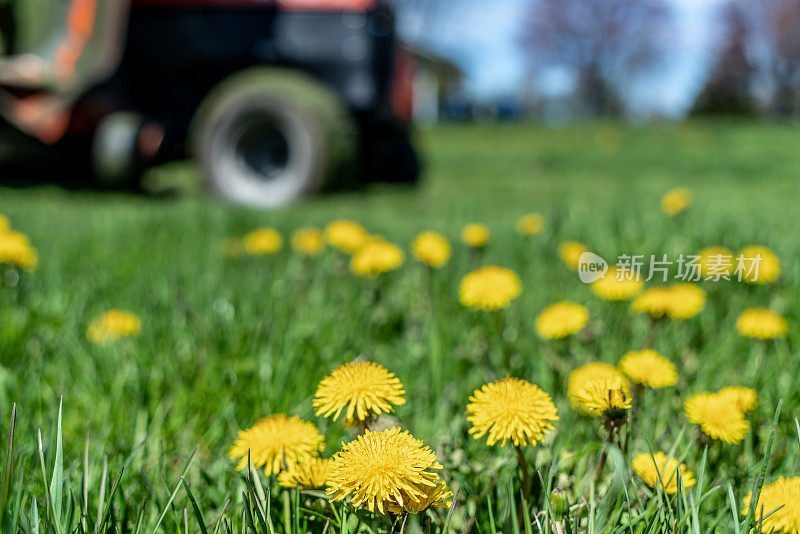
pixel 226 341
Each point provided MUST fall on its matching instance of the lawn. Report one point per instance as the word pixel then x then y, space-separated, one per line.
pixel 226 341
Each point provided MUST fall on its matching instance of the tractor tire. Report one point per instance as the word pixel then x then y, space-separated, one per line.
pixel 267 136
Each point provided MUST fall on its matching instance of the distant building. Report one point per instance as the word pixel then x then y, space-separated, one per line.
pixel 436 82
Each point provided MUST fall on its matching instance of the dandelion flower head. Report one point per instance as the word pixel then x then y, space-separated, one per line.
pixel 263 241
pixel 759 265
pixel 489 288
pixel 605 396
pixel 360 389
pixel 679 301
pixel 376 257
pixel 382 470
pixel 531 224
pixel 649 368
pixel 348 236
pixel 779 503
pixel 275 439
pixel 113 325
pixel 16 250
pixel 475 235
pixel 661 470
pixel 570 253
pixel 614 286
pixel 308 474
pixel 676 200
pixel 511 409
pixel 654 301
pixel 561 320
pixel 717 417
pixel 433 497
pixel 431 248
pixel 308 241
pixel 760 323
pixel 686 301
pixel 598 386
pixel 746 399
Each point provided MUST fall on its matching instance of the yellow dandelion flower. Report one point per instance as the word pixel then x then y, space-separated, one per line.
pixel 434 497
pixel 583 376
pixel 766 266
pixel 686 301
pixel 364 388
pixel 717 416
pixel 379 470
pixel 661 470
pixel 376 257
pixel 679 301
pixel 475 235
pixel 746 399
pixel 431 248
pixel 276 439
pixel 113 325
pixel 347 236
pixel 489 288
pixel 761 323
pixel 570 253
pixel 561 320
pixel 778 505
pixel 676 200
pixel 716 262
pixel 5 224
pixel 308 241
pixel 513 409
pixel 654 301
pixel 262 241
pixel 16 250
pixel 604 396
pixel 531 224
pixel 613 286
pixel 308 474
pixel 649 368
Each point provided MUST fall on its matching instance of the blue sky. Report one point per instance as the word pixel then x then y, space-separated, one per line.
pixel 483 40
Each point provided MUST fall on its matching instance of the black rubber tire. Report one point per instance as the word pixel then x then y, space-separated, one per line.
pixel 267 136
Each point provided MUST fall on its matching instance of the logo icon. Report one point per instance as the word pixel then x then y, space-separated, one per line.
pixel 591 267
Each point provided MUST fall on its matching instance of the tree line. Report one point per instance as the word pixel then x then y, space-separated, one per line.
pixel 607 45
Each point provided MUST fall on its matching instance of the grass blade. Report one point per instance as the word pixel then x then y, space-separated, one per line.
pixel 195 507
pixel 175 491
pixel 450 511
pixel 751 519
pixel 734 511
pixel 50 510
pixel 57 480
pixel 7 473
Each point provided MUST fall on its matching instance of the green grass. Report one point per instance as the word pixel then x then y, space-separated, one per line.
pixel 226 341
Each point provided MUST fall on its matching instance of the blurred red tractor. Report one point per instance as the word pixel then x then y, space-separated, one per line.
pixel 275 99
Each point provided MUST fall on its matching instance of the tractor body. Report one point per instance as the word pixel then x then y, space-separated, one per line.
pixel 307 94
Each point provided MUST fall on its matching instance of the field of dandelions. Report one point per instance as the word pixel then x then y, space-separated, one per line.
pixel 423 360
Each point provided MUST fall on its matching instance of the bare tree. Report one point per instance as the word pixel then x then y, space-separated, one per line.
pixel 729 88
pixel 782 29
pixel 606 43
